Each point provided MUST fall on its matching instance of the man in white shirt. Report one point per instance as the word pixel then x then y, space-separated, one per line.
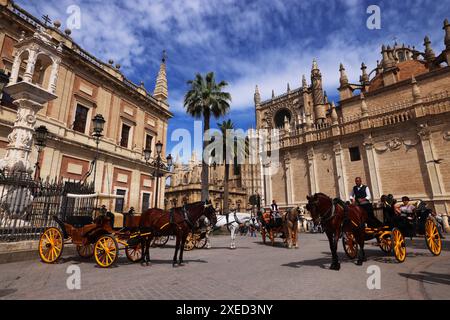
pixel 362 197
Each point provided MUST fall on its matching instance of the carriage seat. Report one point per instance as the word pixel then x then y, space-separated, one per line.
pixel 79 221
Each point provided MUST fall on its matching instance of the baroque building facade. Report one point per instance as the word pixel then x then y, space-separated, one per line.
pixel 83 86
pixel 391 128
pixel 185 184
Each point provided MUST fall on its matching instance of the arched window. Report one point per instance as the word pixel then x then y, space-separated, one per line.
pixel 280 117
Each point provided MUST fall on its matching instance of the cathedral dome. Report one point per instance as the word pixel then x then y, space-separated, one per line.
pixel 406 69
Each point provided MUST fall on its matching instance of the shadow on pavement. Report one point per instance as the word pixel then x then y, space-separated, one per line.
pixel 428 277
pixel 319 262
pixel 6 292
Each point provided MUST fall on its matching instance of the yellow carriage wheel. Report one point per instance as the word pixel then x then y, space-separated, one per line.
pixel 385 244
pixel 106 251
pixel 85 251
pixel 51 244
pixel 432 237
pixel 201 243
pixel 190 243
pixel 134 253
pixel 399 245
pixel 350 245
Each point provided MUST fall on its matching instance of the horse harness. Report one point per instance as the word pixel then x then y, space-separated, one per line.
pixel 332 212
pixel 185 217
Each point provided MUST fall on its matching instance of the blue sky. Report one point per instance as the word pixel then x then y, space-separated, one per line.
pixel 265 42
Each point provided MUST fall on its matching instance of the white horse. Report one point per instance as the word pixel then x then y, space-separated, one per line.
pixel 235 219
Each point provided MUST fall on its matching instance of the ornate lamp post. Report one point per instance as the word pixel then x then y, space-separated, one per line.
pixel 158 165
pixel 99 124
pixel 40 142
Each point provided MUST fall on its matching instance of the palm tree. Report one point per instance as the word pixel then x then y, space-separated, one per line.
pixel 224 127
pixel 204 99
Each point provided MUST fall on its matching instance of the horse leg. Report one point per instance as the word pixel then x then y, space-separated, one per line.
pixel 361 253
pixel 183 241
pixel 296 236
pixel 148 241
pixel 143 249
pixel 335 265
pixel 233 236
pixel 177 246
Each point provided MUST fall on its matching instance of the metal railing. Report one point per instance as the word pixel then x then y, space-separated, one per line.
pixel 27 206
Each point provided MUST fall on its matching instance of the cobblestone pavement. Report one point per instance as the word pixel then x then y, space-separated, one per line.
pixel 252 271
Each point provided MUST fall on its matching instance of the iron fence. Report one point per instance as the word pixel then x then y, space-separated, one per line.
pixel 27 206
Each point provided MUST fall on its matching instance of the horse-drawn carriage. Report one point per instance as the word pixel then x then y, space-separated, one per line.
pixel 94 232
pixel 198 238
pixel 396 226
pixel 271 226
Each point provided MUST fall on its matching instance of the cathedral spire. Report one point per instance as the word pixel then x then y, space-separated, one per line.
pixel 429 53
pixel 447 34
pixel 257 97
pixel 161 92
pixel 304 83
pixel 343 78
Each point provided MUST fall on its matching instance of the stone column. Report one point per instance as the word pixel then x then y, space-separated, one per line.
pixel 21 138
pixel 373 168
pixel 340 170
pixel 312 171
pixel 434 174
pixel 288 175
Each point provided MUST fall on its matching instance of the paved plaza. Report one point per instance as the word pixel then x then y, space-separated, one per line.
pixel 252 271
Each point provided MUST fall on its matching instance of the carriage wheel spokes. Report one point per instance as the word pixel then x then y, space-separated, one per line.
pixel 190 242
pixel 350 245
pixel 106 251
pixel 85 251
pixel 385 243
pixel 200 243
pixel 134 253
pixel 432 237
pixel 399 245
pixel 51 245
pixel 162 240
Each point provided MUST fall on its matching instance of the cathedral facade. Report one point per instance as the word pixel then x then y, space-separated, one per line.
pixel 391 128
pixel 185 184
pixel 84 87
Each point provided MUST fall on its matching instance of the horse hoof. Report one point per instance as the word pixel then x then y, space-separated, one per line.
pixel 174 265
pixel 359 263
pixel 336 267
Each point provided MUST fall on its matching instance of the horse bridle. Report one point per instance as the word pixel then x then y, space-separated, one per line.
pixel 331 211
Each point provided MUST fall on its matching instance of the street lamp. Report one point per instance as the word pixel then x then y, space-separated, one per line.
pixel 99 124
pixel 158 165
pixel 41 139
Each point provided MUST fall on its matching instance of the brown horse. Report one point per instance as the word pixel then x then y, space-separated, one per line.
pixel 157 222
pixel 290 224
pixel 331 215
pixel 269 226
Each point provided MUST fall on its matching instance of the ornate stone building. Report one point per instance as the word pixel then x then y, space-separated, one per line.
pixel 392 128
pixel 79 87
pixel 185 184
